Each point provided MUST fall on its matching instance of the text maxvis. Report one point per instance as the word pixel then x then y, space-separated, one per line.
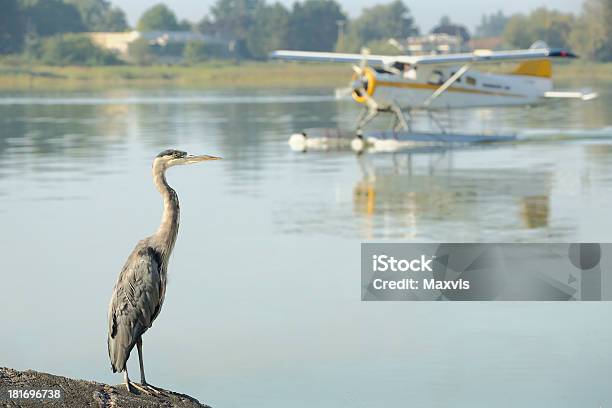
pixel 427 284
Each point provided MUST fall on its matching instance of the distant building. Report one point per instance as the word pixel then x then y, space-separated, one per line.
pixel 163 38
pixel 116 42
pixel 442 43
pixel 434 44
pixel 120 42
pixel 486 43
pixel 454 30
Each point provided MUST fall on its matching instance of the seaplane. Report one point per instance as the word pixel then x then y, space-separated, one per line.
pixel 402 84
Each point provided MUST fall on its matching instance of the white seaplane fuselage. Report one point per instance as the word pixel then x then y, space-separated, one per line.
pixel 401 83
pixel 412 89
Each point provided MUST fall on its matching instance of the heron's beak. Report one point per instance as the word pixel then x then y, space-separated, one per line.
pixel 195 159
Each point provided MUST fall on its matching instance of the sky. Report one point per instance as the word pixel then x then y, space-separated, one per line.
pixel 467 12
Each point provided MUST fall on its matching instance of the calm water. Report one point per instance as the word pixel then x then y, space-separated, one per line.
pixel 263 306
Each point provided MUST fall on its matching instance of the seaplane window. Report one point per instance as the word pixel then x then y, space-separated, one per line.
pixel 470 80
pixel 382 70
pixel 436 78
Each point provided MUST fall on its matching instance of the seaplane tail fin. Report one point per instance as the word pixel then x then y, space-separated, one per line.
pixel 537 68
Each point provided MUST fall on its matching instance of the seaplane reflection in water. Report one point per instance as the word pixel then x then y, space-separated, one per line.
pixel 421 194
pixel 401 85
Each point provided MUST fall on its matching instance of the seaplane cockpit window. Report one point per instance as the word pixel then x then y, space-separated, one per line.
pixel 470 81
pixel 436 78
pixel 399 66
pixel 381 70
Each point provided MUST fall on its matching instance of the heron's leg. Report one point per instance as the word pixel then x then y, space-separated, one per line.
pixel 126 380
pixel 143 381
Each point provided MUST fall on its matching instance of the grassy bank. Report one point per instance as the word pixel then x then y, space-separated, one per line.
pixel 19 76
pixel 210 75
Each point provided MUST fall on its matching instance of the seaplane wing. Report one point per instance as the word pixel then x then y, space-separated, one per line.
pixel 330 57
pixel 478 56
pixel 485 56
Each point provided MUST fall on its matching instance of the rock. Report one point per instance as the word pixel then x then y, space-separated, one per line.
pixel 80 393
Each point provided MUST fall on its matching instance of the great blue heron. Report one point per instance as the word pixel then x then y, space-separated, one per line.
pixel 140 289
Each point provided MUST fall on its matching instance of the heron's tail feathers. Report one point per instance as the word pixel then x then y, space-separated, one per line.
pixel 121 341
pixel 118 355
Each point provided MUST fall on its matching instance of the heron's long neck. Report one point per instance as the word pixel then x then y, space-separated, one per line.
pixel 168 229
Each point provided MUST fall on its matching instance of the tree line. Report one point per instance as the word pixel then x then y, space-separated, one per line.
pixel 589 33
pixel 312 25
pixel 49 30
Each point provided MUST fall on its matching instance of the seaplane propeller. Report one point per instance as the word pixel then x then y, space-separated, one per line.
pixel 359 84
pixel 359 69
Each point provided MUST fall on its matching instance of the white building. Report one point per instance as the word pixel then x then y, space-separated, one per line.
pixel 120 42
pixel 434 44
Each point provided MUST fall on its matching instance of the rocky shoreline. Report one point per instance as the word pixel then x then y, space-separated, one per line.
pixel 81 393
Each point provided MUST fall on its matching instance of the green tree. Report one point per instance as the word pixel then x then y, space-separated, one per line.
pixel 158 18
pixel 550 26
pixel 232 19
pixel 446 26
pixel 198 51
pixel 11 27
pixel 313 25
pixel 72 49
pixel 516 33
pixel 185 25
pixel 492 25
pixel 270 30
pixel 49 17
pixel 377 24
pixel 591 36
pixel 194 52
pixel 139 52
pixel 445 20
pixel 100 15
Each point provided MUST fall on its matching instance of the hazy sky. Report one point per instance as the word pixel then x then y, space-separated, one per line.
pixel 467 12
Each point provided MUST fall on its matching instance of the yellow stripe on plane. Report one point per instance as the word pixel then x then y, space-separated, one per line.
pixel 536 68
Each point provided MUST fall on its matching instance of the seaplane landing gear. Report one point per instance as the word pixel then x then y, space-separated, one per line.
pixel 401 121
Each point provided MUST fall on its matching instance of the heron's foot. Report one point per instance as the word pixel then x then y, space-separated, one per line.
pixel 135 388
pixel 153 389
pixel 130 387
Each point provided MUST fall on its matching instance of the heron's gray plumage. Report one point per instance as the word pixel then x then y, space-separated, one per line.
pixel 139 293
pixel 135 303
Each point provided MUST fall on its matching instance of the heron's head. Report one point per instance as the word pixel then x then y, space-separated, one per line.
pixel 171 157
